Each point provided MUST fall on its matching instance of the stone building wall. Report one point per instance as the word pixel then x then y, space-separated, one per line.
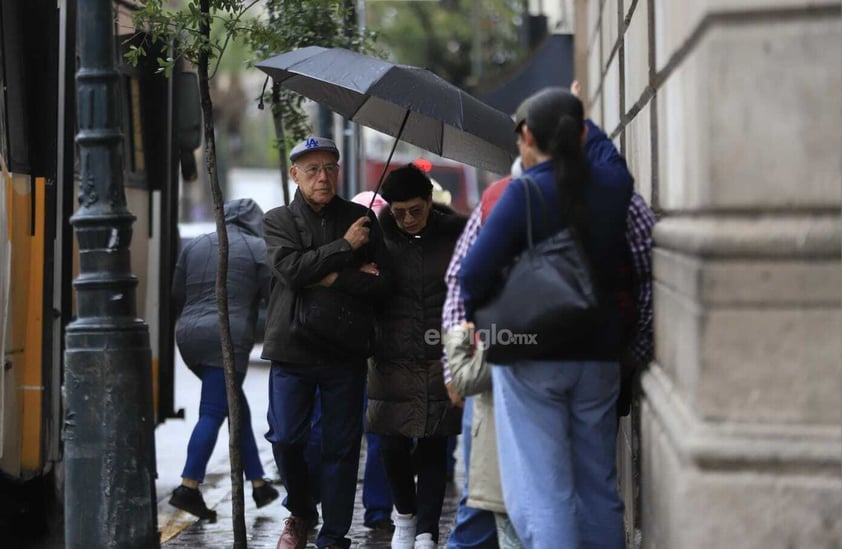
pixel 730 115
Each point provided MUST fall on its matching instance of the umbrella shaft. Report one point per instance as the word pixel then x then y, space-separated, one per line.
pixel 388 160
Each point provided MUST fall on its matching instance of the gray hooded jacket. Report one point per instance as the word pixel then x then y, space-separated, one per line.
pixel 193 291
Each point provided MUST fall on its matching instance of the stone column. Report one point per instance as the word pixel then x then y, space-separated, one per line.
pixel 732 123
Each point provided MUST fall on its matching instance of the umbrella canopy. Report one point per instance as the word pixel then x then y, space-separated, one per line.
pixel 406 102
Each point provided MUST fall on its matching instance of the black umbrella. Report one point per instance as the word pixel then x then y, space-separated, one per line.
pixel 405 102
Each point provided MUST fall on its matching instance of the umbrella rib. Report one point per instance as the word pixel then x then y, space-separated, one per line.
pixel 360 106
pixel 461 123
pixel 441 138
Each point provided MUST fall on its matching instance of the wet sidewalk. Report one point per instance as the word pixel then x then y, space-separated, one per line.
pixel 263 526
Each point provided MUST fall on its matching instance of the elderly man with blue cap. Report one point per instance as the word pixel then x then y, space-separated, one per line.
pixel 330 270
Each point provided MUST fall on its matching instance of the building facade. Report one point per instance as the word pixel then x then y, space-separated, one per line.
pixel 730 115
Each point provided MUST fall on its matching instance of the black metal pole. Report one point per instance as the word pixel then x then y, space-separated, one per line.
pixel 108 428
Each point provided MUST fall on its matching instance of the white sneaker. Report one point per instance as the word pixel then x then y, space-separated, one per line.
pixel 404 536
pixel 424 541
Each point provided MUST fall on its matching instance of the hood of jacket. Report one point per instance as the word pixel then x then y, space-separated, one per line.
pixel 246 214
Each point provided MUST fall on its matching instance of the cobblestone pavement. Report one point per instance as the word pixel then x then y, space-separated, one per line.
pixel 264 525
pixel 180 530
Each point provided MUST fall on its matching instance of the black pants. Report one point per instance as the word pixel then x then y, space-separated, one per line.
pixel 428 459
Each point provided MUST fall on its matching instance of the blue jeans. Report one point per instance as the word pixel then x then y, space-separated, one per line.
pixel 313 457
pixel 213 409
pixel 451 455
pixel 292 392
pixel 556 438
pixel 474 528
pixel 377 498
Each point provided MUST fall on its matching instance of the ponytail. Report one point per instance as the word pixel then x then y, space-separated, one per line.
pixel 570 167
pixel 557 119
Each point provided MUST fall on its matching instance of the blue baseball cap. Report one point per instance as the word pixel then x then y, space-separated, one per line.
pixel 313 144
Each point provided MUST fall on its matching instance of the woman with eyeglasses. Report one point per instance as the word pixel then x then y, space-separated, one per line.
pixel 408 404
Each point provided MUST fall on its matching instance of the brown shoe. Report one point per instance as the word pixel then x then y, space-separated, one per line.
pixel 294 535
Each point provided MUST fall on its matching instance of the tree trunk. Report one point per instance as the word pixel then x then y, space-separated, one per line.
pixel 278 118
pixel 232 391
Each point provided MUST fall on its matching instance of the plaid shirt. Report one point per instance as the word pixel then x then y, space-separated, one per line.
pixel 453 311
pixel 639 222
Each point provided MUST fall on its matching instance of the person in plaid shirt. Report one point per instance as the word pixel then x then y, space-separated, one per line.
pixel 639 223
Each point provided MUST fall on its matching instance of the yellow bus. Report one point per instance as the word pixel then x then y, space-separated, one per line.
pixel 38 256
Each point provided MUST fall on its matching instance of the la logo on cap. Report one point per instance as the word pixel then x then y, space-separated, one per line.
pixel 312 142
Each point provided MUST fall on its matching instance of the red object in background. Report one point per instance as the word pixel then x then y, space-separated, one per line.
pixel 492 194
pixel 423 164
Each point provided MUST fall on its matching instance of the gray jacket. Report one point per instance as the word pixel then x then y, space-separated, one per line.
pixel 194 288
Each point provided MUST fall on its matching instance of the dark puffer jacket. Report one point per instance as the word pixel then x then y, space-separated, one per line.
pixel 406 392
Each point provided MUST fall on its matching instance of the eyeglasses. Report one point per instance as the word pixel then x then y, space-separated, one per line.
pixel 414 211
pixel 313 170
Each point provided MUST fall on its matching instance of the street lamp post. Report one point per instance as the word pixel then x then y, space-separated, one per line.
pixel 108 428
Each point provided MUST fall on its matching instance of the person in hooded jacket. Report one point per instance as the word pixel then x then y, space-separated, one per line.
pixel 197 336
pixel 408 404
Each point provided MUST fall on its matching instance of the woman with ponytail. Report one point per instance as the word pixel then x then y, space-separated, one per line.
pixel 556 420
